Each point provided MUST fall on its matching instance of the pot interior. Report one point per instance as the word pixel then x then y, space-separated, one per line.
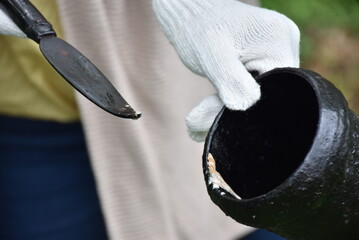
pixel 258 149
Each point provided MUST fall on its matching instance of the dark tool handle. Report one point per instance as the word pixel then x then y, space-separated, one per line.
pixel 29 19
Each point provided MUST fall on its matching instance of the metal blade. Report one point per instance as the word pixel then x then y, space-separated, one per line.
pixel 85 77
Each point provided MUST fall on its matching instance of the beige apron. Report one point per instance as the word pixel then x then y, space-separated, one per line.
pixel 148 172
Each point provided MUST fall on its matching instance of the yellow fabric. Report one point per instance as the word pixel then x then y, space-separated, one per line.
pixel 29 86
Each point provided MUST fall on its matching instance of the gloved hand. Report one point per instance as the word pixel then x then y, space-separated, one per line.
pixel 224 40
pixel 7 26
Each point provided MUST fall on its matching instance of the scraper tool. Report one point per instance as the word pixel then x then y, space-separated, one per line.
pixel 73 66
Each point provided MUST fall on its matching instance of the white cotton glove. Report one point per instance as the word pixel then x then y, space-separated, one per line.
pixel 224 40
pixel 7 26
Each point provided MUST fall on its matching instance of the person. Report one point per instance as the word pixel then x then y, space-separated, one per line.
pixel 147 173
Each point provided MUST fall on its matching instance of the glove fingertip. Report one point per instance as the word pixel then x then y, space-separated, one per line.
pixel 241 99
pixel 200 119
pixel 198 136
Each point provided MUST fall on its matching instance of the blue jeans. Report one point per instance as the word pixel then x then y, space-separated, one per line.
pixel 47 189
pixel 262 235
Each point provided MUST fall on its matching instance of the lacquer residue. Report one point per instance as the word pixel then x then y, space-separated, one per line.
pixel 215 179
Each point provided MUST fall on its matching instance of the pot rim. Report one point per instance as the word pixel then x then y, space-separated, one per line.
pixel 316 149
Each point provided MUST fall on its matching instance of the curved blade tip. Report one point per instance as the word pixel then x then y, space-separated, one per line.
pixel 137 115
pixel 134 115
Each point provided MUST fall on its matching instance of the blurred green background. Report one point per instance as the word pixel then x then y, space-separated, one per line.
pixel 329 40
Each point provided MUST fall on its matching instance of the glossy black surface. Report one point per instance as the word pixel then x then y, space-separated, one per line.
pixel 271 144
pixel 292 158
pixel 85 77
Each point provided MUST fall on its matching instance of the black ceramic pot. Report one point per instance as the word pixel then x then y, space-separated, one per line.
pixel 291 161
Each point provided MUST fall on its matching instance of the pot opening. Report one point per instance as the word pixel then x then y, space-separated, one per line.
pixel 258 149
